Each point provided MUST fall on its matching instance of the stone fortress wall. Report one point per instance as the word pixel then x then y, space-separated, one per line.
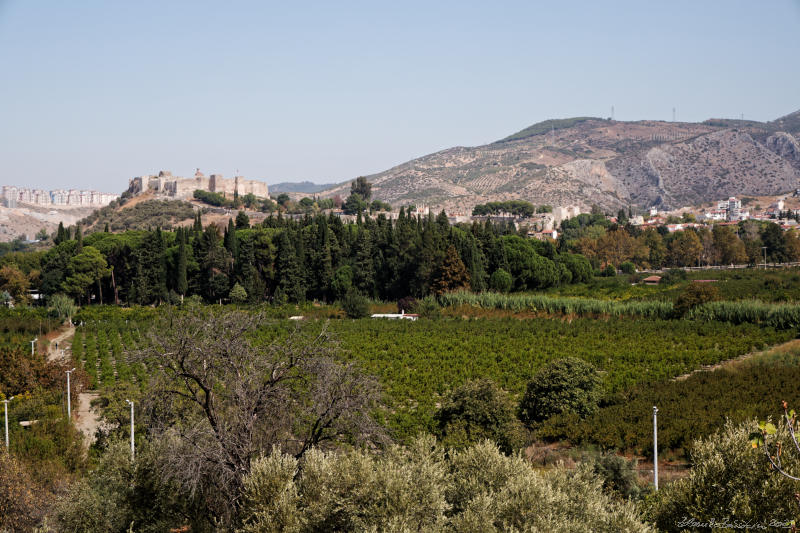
pixel 183 188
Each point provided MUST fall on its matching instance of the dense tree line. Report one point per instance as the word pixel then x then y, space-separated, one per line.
pixel 515 207
pixel 606 243
pixel 317 257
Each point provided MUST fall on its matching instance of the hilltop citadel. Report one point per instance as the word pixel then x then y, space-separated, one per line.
pixel 165 184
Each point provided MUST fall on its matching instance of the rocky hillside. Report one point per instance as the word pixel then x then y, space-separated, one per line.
pixel 589 160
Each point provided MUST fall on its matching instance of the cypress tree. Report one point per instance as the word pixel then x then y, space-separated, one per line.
pixel 61 234
pixel 181 284
pixel 106 229
pixel 230 242
pixel 364 267
pixel 290 279
pixel 79 237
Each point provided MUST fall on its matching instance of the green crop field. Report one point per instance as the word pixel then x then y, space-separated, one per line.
pixel 418 362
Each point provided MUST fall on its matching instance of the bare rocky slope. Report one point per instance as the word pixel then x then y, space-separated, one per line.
pixel 610 163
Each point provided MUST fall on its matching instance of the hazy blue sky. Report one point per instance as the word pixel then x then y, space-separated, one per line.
pixel 95 92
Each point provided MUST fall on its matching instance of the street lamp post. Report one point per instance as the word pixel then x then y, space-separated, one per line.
pixel 655 446
pixel 133 446
pixel 69 396
pixel 33 341
pixel 6 410
pixel 765 256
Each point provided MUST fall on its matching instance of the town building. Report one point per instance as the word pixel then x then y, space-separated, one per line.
pixel 13 195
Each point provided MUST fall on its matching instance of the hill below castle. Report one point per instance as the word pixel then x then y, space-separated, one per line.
pixel 611 163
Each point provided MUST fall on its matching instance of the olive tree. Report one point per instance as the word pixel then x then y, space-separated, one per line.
pixel 422 488
pixel 219 399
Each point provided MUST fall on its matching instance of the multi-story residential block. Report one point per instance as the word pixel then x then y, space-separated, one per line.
pixel 13 195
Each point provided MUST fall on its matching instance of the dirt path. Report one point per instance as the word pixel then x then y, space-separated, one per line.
pixel 792 345
pixel 54 353
pixel 86 419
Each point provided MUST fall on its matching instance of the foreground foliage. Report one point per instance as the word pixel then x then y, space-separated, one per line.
pixel 728 483
pixel 418 488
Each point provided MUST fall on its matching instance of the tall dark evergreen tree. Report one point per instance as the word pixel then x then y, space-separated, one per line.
pixel 230 242
pixel 242 220
pixel 79 237
pixel 290 280
pixel 61 234
pixel 181 282
pixel 363 266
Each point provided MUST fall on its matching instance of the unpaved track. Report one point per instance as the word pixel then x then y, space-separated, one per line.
pixel 54 353
pixel 85 418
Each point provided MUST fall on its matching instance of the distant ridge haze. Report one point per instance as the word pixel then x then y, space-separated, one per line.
pixel 589 160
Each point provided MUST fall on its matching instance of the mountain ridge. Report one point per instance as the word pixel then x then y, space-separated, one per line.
pixel 590 160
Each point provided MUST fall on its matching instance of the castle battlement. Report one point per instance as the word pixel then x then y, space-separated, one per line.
pixel 177 187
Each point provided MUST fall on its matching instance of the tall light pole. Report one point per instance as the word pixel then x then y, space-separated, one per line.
pixel 33 341
pixel 655 446
pixel 765 256
pixel 133 446
pixel 6 409
pixel 69 396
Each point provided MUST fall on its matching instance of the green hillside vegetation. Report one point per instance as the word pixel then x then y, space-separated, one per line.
pixel 148 214
pixel 546 126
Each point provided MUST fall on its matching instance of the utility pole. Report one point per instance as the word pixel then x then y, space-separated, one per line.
pixel 6 409
pixel 655 446
pixel 69 396
pixel 33 341
pixel 133 446
pixel 765 256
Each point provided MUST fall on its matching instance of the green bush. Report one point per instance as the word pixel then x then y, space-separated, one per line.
pixel 500 281
pixel 479 410
pixel 618 474
pixel 418 488
pixel 355 304
pixel 729 482
pixel 693 295
pixel 428 307
pixel 568 385
pixel 627 267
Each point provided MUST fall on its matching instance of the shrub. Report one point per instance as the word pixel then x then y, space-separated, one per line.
pixel 238 295
pixel 568 385
pixel 479 410
pixel 729 482
pixel 618 475
pixel 627 267
pixel 609 271
pixel 355 304
pixel 21 500
pixel 418 488
pixel 694 295
pixel 500 281
pixel 428 307
pixel 407 304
